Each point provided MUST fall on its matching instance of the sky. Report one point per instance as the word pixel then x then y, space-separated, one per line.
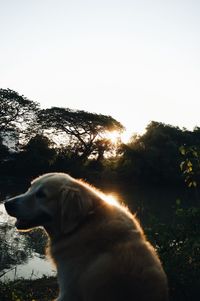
pixel 137 61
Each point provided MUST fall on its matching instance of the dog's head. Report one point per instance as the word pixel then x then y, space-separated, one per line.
pixel 53 199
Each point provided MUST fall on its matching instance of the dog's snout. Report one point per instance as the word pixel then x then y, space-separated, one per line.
pixel 11 207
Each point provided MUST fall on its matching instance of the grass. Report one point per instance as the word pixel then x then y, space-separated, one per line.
pixel 43 289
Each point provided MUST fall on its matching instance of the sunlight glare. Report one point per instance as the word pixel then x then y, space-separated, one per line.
pixel 111 200
pixel 126 136
pixel 116 136
pixel 113 136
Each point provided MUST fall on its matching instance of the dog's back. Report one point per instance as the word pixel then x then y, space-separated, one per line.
pixel 109 259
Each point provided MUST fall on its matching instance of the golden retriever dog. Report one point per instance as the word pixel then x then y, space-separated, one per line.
pixel 99 249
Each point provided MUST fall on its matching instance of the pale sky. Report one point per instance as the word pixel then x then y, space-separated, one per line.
pixel 136 60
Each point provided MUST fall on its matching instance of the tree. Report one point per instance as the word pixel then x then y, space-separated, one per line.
pixel 101 146
pixel 190 167
pixel 81 129
pixel 4 152
pixel 36 157
pixel 16 112
pixel 154 156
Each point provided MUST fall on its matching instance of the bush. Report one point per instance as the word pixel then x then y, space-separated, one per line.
pixel 178 244
pixel 43 289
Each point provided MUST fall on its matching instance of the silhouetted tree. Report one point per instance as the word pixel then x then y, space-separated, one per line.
pixel 36 157
pixel 154 156
pixel 16 113
pixel 101 147
pixel 4 152
pixel 82 129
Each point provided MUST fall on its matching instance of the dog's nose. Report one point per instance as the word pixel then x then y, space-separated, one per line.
pixel 11 207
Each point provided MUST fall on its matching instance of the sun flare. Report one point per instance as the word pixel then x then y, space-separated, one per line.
pixel 111 200
pixel 113 136
pixel 116 136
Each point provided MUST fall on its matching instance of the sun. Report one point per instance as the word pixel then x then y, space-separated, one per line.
pixel 116 136
pixel 113 136
pixel 126 136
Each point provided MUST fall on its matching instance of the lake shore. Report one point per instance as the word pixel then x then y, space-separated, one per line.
pixel 42 289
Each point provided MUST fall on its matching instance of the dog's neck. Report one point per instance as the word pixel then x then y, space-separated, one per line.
pixel 56 235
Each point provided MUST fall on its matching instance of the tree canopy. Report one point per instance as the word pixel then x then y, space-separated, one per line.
pixel 16 115
pixel 81 129
pixel 14 109
pixel 82 142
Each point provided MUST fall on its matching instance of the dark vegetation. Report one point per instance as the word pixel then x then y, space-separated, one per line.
pixel 44 289
pixel 61 139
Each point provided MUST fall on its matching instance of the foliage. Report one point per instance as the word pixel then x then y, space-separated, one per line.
pixel 191 164
pixel 178 244
pixel 43 289
pixel 82 129
pixel 17 248
pixel 12 249
pixel 38 154
pixel 154 156
pixel 16 113
pixel 36 157
pixel 36 241
pixel 81 147
pixel 4 150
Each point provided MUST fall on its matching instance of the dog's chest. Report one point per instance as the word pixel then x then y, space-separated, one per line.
pixel 68 282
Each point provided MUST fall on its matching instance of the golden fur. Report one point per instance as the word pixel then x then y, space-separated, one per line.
pixel 99 249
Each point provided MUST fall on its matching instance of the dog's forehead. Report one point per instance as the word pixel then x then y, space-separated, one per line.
pixel 52 179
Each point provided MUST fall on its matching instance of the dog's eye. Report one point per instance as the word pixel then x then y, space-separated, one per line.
pixel 40 194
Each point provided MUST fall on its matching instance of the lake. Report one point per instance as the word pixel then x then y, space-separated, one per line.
pixel 17 255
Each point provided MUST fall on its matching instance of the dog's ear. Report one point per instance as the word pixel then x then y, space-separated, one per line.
pixel 75 206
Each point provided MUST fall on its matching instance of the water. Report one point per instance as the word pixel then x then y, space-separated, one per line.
pixel 36 267
pixel 18 258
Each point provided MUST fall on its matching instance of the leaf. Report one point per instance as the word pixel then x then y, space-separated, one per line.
pixel 190 169
pixel 182 150
pixel 182 165
pixel 189 163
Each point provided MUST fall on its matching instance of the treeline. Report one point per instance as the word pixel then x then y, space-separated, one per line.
pixel 35 140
